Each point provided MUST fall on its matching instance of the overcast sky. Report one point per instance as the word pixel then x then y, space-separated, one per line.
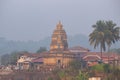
pixel 36 19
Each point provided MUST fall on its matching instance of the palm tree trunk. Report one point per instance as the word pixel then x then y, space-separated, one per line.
pixel 101 51
pixel 108 52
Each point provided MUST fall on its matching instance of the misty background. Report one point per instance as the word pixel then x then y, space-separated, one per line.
pixel 29 24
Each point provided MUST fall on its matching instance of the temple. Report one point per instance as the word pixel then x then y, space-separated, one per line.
pixel 60 55
pixel 59 39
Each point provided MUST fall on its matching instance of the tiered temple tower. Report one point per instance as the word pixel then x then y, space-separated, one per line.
pixel 59 39
pixel 59 55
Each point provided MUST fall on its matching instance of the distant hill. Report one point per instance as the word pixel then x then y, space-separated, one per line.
pixel 8 46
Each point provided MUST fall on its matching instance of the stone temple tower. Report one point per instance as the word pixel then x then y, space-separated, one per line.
pixel 59 39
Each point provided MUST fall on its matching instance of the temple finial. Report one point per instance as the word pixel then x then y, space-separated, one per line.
pixel 59 22
pixel 59 25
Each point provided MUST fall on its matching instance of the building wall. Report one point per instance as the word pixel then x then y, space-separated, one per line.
pixel 95 78
pixel 58 59
pixel 24 62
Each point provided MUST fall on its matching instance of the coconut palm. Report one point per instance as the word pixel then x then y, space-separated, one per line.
pixel 112 34
pixel 97 37
pixel 104 33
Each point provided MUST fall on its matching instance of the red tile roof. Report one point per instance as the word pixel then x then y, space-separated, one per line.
pixel 90 56
pixel 38 60
pixel 79 49
pixel 35 54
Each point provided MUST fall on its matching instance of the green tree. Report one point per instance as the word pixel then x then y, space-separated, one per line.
pixel 104 33
pixel 106 68
pixel 61 74
pixel 42 49
pixel 112 34
pixel 98 68
pixel 82 76
pixel 5 59
pixel 96 38
pixel 75 66
pixel 115 50
pixel 11 58
pixel 14 57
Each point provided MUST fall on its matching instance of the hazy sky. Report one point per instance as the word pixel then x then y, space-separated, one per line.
pixel 36 19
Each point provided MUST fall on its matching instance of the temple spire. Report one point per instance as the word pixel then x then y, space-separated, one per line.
pixel 59 26
pixel 59 22
pixel 59 39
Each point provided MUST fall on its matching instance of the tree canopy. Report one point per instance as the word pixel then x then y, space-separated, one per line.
pixel 41 49
pixel 11 58
pixel 105 33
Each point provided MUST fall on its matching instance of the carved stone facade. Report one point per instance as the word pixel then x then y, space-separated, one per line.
pixel 59 39
pixel 59 54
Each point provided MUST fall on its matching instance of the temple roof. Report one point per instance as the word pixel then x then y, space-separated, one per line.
pixel 59 26
pixel 59 38
pixel 78 49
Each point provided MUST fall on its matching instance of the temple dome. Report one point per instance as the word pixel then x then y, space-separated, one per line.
pixel 59 39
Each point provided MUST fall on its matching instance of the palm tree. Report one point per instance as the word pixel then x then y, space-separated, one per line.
pixel 112 34
pixel 97 37
pixel 104 33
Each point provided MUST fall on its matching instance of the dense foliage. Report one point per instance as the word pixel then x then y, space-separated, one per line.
pixel 42 49
pixel 115 50
pixel 11 58
pixel 105 33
